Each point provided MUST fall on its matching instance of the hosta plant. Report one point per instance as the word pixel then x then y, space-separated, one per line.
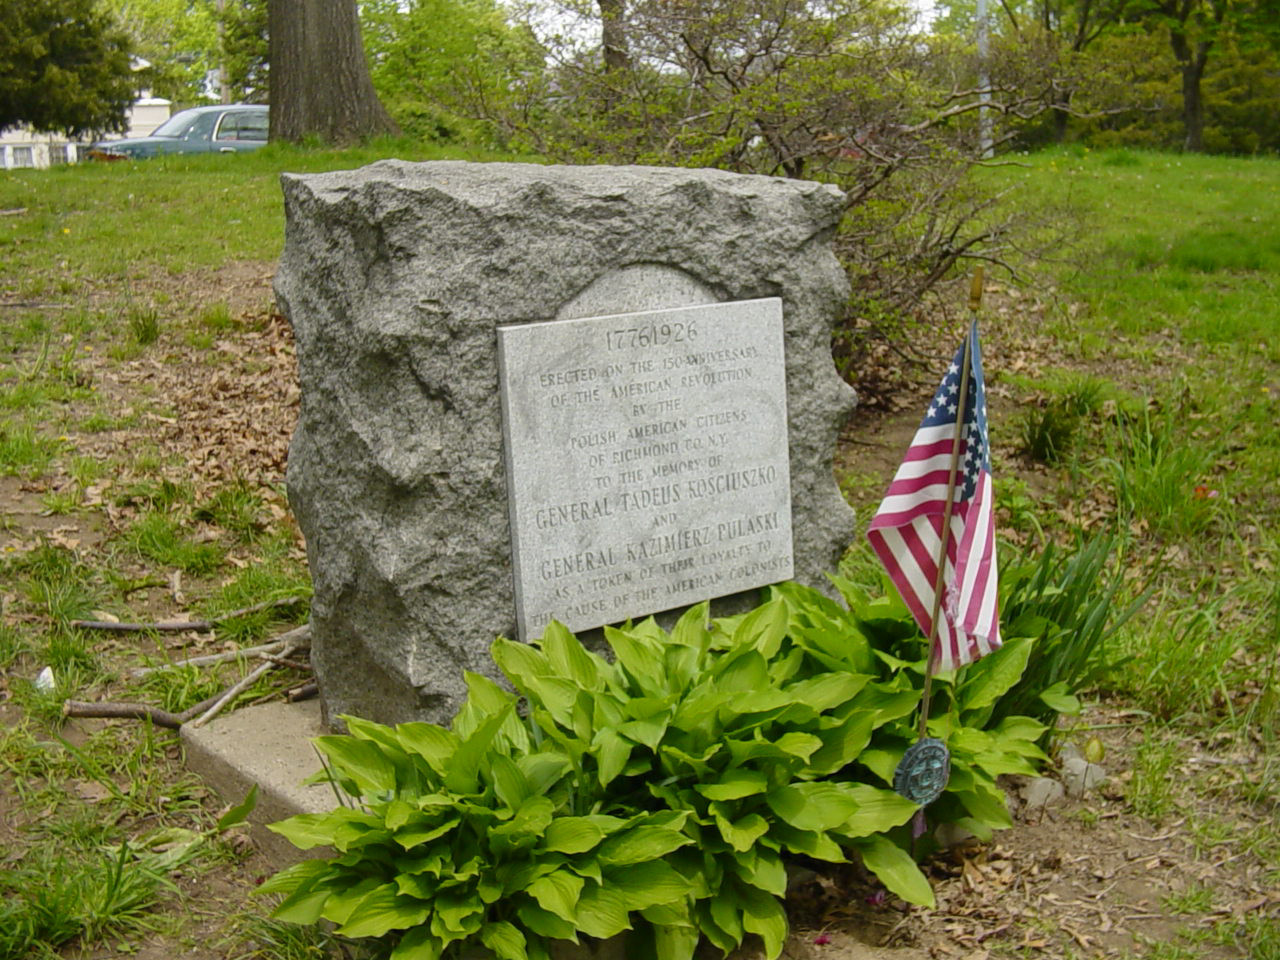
pixel 658 791
pixel 736 726
pixel 468 836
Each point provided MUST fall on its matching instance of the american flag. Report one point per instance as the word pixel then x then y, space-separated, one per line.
pixel 906 531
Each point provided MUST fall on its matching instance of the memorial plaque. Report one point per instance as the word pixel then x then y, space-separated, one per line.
pixel 647 460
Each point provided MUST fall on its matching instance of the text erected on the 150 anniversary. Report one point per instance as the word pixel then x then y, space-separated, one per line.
pixel 646 460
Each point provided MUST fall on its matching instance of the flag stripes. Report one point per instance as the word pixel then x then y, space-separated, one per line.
pixel 906 532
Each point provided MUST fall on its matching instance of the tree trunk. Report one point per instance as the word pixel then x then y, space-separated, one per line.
pixel 320 84
pixel 613 35
pixel 1191 63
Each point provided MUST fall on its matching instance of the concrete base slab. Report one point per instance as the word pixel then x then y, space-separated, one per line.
pixel 269 745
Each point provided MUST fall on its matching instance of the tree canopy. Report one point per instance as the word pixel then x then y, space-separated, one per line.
pixel 64 68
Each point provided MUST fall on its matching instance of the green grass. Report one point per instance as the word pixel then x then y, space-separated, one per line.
pixel 120 222
pixel 160 537
pixel 23 451
pixel 1179 243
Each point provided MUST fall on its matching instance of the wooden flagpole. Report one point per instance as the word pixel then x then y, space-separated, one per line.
pixel 975 301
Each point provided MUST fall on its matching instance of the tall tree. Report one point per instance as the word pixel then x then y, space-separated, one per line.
pixel 320 85
pixel 440 65
pixel 64 67
pixel 178 37
pixel 1196 28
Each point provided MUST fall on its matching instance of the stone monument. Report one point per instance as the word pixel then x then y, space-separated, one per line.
pixel 587 393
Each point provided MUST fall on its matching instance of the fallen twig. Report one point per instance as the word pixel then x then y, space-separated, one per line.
pixel 283 662
pixel 135 711
pixel 160 626
pixel 304 692
pixel 245 683
pixel 299 635
pixel 178 625
pixel 125 711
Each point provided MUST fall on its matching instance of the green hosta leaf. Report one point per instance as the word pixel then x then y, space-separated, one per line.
pixel 545 923
pixel 602 912
pixel 292 878
pixel 762 868
pixel 457 912
pixel 526 827
pixel 307 830
pixel 569 659
pixel 801 745
pixel 675 914
pixel 763 628
pixel 558 695
pixel 649 884
pixel 433 743
pixel 969 740
pixel 674 942
pixel 382 910
pixel 353 833
pixel 558 893
pixel 995 763
pixel 572 835
pixel 304 905
pixel 416 834
pixel 1020 728
pixel 640 844
pixel 813 806
pixel 641 658
pixel 505 940
pixel 397 814
pixel 745 751
pixel 734 785
pixel 762 915
pixel 612 753
pixel 842 744
pixel 361 761
pixel 743 834
pixel 583 715
pixel 486 699
pixel 509 784
pixel 740 673
pixel 673 757
pixel 986 806
pixel 811 843
pixel 828 690
pixel 994 675
pixel 418 944
pixel 691 630
pixel 1060 699
pixel 896 870
pixel 377 733
pixel 519 662
pixel 344 899
pixel 878 810
pixel 648 732
pixel 462 773
pixel 882 762
pixel 422 886
pixel 542 770
pixel 727 914
pixel 696 712
pixel 889 701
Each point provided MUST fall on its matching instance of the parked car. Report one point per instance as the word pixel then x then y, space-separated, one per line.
pixel 227 128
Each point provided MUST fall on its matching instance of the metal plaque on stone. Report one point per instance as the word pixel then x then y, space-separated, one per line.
pixel 647 460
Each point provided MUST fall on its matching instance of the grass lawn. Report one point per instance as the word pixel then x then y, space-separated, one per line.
pixel 146 400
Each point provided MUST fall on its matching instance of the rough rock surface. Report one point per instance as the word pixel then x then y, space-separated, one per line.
pixel 395 278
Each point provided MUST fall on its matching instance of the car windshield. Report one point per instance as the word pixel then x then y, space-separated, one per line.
pixel 179 125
